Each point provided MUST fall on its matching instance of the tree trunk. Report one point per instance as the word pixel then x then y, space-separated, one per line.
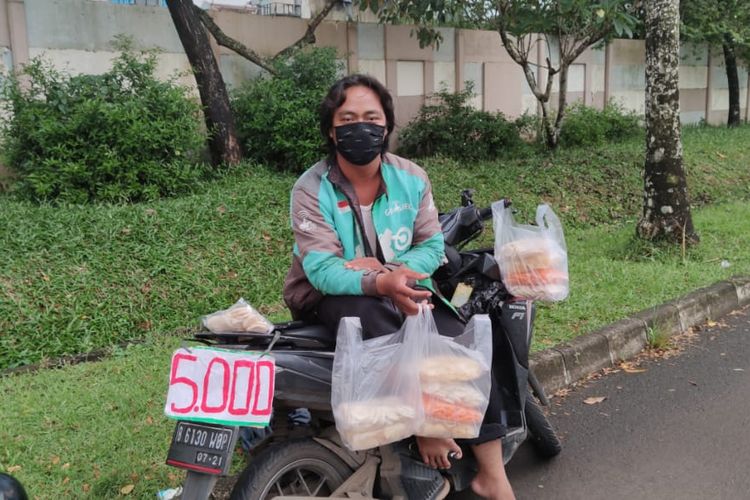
pixel 547 126
pixel 733 79
pixel 223 143
pixel 562 104
pixel 666 209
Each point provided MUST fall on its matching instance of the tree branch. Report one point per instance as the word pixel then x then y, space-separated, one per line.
pixel 511 46
pixel 551 72
pixel 590 40
pixel 513 52
pixel 226 41
pixel 309 36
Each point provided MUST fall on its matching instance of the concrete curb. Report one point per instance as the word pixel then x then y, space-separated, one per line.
pixel 561 366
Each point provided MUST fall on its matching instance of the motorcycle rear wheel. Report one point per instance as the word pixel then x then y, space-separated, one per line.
pixel 298 467
pixel 542 435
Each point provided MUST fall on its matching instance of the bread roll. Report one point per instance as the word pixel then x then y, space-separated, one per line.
pixel 449 369
pixel 359 440
pixel 241 317
pixel 522 256
pixel 542 292
pixel 443 429
pixel 373 414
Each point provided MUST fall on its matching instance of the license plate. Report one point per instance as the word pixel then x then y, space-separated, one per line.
pixel 202 447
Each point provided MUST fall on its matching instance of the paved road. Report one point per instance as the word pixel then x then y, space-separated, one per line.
pixel 679 430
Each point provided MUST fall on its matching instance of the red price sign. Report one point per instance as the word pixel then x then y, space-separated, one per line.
pixel 221 386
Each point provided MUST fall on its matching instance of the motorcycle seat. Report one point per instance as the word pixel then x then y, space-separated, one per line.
pixel 308 332
pixel 294 335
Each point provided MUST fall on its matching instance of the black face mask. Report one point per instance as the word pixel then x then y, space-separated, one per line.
pixel 359 143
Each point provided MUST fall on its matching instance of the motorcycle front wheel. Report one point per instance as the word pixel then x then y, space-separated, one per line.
pixel 299 467
pixel 542 435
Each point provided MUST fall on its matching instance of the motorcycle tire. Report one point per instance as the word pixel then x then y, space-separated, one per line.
pixel 299 467
pixel 542 436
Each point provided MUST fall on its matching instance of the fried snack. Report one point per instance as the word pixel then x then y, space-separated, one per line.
pixel 455 392
pixel 449 369
pixel 534 268
pixel 538 277
pixel 436 408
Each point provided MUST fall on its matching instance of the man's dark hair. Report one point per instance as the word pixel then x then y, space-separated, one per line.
pixel 336 97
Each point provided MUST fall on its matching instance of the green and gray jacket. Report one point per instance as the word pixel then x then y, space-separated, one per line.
pixel 327 225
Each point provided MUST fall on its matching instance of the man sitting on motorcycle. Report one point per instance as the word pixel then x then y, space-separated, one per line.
pixel 366 232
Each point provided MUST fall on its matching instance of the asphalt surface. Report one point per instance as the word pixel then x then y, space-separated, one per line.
pixel 680 429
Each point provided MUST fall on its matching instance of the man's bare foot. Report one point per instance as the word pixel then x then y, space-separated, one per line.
pixel 434 451
pixel 492 487
pixel 491 481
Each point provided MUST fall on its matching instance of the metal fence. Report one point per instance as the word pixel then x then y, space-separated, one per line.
pixel 280 9
pixel 151 3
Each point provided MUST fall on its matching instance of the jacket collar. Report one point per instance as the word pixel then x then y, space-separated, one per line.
pixel 339 180
pixel 337 177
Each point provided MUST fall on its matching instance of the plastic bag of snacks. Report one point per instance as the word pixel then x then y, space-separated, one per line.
pixel 533 260
pixel 375 384
pixel 241 317
pixel 455 379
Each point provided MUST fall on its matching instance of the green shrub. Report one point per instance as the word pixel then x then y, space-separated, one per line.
pixel 277 116
pixel 588 126
pixel 451 127
pixel 529 127
pixel 121 136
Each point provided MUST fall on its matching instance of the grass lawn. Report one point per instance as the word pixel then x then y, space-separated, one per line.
pixel 74 279
pixel 78 278
pixel 612 275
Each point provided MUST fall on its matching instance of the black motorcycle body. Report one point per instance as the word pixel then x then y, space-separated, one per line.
pixel 304 358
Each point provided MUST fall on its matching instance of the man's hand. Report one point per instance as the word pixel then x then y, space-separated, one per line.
pixel 395 285
pixel 365 264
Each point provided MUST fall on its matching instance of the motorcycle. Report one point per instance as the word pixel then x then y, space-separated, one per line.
pixel 310 460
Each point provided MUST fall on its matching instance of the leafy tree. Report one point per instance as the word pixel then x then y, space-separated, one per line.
pixel 570 26
pixel 193 25
pixel 666 208
pixel 725 23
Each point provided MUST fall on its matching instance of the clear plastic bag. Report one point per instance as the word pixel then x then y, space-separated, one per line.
pixel 375 384
pixel 241 317
pixel 414 381
pixel 455 379
pixel 533 260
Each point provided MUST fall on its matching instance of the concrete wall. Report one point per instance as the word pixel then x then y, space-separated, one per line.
pixel 76 35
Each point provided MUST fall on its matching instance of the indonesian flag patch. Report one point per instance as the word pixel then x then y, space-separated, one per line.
pixel 344 207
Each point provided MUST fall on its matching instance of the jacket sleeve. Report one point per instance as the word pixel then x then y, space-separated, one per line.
pixel 318 246
pixel 428 246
